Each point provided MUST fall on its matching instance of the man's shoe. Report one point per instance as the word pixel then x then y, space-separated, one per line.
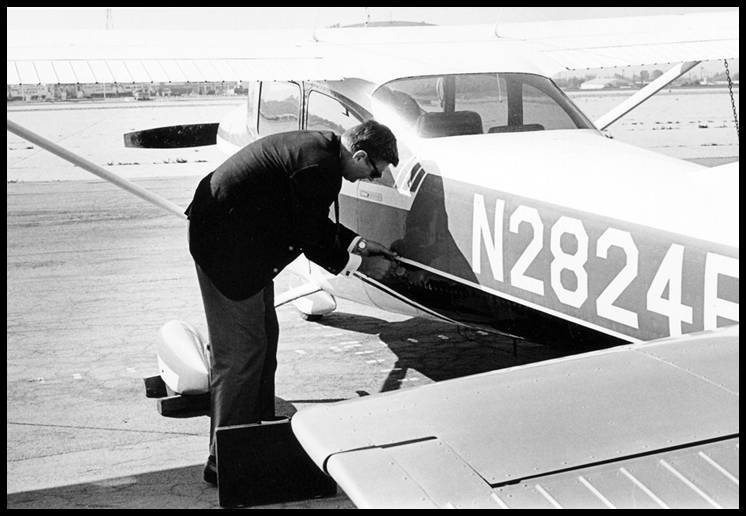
pixel 210 473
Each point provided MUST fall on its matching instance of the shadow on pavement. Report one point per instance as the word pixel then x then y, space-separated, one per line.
pixel 440 351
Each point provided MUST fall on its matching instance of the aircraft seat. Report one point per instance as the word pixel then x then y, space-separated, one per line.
pixel 435 125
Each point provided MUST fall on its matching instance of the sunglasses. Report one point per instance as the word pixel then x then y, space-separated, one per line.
pixel 376 173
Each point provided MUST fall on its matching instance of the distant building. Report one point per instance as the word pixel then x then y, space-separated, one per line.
pixel 607 83
pixel 57 92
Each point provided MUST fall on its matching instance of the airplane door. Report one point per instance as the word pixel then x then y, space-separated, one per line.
pixel 413 217
pixel 382 210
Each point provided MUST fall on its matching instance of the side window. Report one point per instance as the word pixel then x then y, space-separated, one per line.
pixel 328 114
pixel 540 108
pixel 468 104
pixel 486 94
pixel 279 108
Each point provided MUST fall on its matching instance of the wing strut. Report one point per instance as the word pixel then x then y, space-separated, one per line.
pixel 95 169
pixel 644 94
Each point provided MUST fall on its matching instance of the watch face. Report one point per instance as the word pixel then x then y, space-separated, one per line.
pixel 361 244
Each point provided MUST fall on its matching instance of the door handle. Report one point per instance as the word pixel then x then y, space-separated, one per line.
pixel 372 196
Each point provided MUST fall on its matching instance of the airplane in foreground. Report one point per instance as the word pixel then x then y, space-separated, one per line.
pixel 511 213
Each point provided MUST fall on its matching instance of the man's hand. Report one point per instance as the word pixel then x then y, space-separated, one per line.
pixel 377 267
pixel 376 249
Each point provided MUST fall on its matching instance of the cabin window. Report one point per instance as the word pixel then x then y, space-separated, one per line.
pixel 465 104
pixel 279 107
pixel 328 114
pixel 541 109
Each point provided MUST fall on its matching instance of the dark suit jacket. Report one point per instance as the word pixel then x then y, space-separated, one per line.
pixel 264 206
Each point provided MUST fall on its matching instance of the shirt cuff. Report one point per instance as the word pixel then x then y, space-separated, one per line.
pixel 353 263
pixel 353 244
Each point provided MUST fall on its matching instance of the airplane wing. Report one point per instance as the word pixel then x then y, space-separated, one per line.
pixel 127 56
pixel 643 40
pixel 649 425
pixel 379 54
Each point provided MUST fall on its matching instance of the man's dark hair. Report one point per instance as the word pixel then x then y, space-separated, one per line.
pixel 375 139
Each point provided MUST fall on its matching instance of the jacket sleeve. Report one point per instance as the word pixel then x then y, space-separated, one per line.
pixel 321 239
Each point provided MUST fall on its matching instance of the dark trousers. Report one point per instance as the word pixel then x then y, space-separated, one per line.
pixel 243 352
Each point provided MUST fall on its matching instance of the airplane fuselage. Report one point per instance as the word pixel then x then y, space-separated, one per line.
pixel 552 235
pixel 568 241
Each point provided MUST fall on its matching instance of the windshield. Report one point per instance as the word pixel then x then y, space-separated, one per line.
pixel 451 105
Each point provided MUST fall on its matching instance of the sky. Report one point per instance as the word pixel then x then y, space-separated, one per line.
pixel 305 17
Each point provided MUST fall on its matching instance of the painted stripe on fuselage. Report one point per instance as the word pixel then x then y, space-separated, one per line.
pixel 404 299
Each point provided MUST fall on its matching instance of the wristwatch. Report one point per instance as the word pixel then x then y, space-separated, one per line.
pixel 361 245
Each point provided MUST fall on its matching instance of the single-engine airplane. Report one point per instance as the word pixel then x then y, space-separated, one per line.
pixel 512 213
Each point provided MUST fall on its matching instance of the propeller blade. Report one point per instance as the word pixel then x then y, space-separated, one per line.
pixel 173 137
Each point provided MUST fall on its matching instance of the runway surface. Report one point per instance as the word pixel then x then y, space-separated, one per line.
pixel 93 274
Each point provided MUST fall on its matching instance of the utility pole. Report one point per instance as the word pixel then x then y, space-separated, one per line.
pixel 109 26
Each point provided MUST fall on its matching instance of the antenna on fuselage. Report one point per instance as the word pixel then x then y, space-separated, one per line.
pixel 499 15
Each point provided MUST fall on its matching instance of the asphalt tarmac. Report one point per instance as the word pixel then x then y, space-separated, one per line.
pixel 93 273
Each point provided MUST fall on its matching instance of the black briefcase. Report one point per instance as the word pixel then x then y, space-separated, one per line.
pixel 263 464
